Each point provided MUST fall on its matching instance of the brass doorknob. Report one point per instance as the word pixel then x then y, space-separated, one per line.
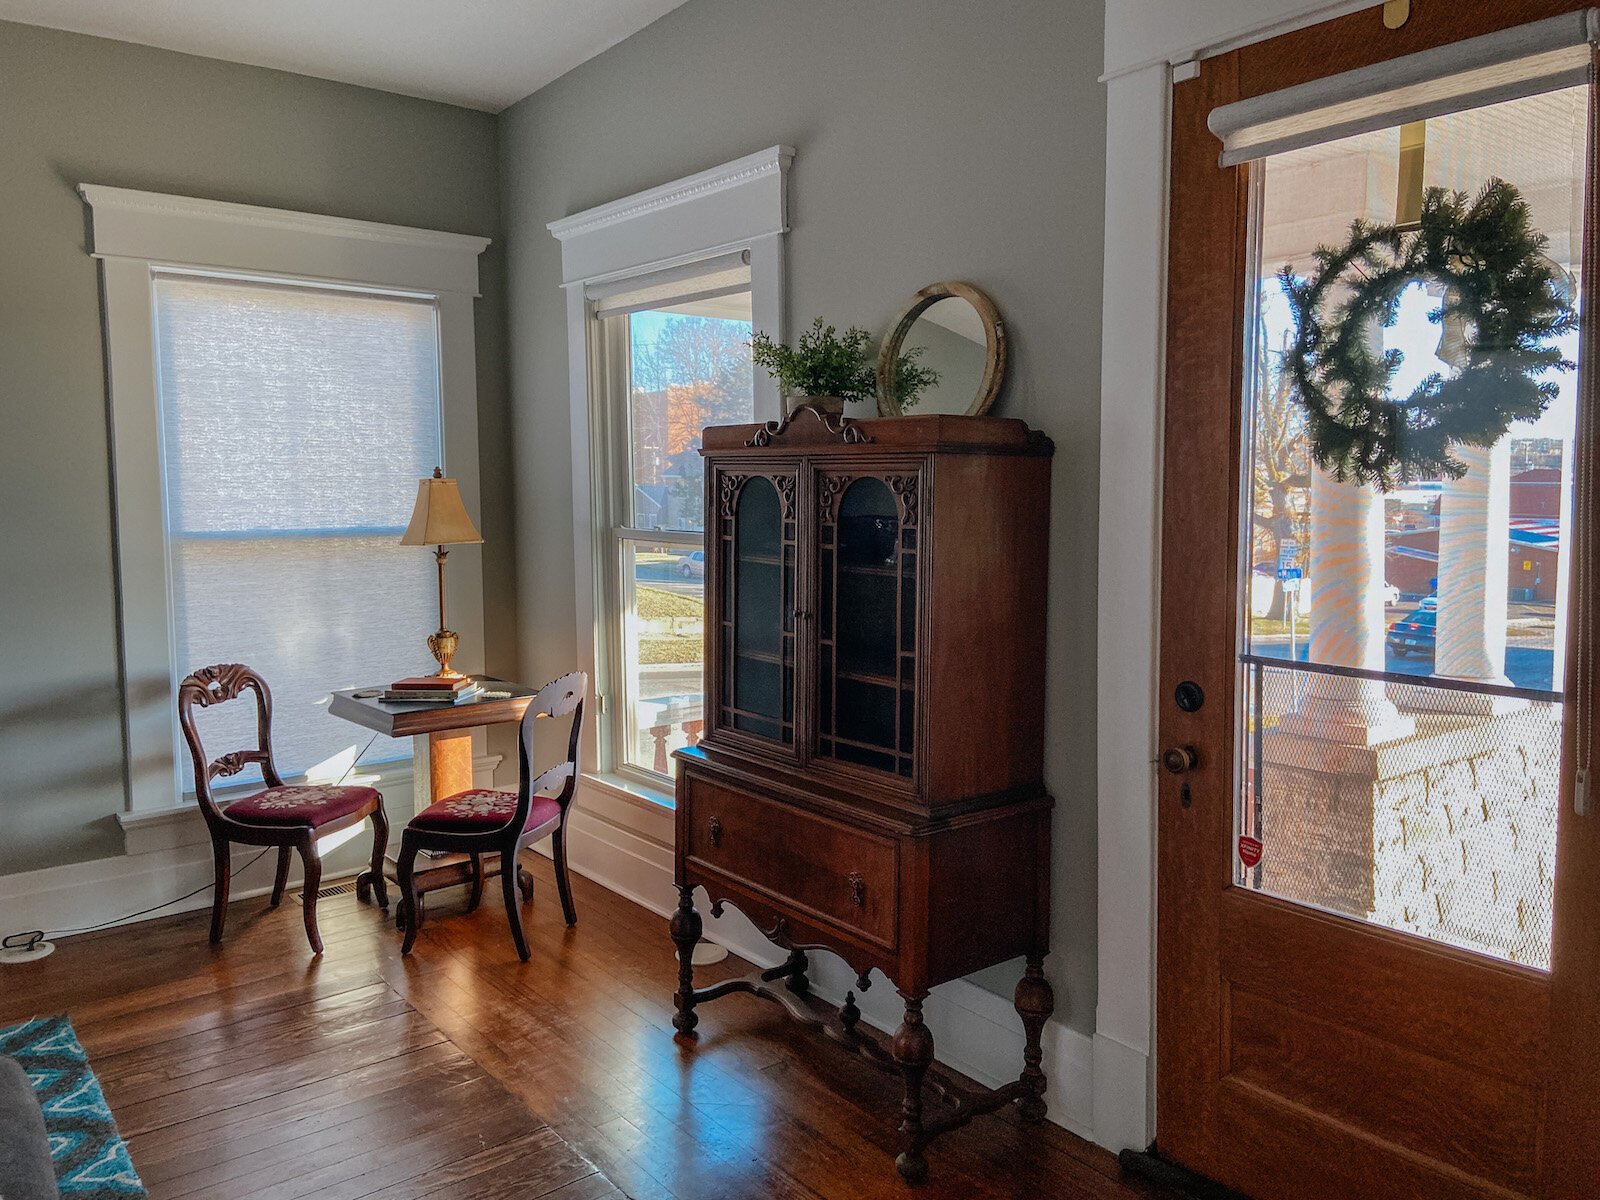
pixel 1179 759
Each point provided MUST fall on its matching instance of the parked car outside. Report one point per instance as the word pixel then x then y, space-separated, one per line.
pixel 1414 633
pixel 693 565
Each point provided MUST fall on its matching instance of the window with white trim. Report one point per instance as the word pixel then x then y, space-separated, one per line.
pixel 664 290
pixel 278 383
pixel 680 356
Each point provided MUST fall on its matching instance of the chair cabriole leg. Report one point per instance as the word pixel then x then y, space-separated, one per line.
pixel 371 880
pixel 508 886
pixel 282 879
pixel 558 847
pixel 223 863
pixel 410 915
pixel 313 881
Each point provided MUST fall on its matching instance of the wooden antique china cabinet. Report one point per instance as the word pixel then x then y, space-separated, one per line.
pixel 870 781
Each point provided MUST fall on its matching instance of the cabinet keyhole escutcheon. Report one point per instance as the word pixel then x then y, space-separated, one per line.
pixel 715 829
pixel 858 889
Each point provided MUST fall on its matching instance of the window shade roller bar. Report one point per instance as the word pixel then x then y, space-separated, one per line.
pixel 719 276
pixel 1541 56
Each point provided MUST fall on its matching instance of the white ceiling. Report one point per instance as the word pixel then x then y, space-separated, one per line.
pixel 484 54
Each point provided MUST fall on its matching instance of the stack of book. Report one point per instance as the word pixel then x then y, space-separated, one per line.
pixel 432 689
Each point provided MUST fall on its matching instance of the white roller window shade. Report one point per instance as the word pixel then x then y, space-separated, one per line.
pixel 1525 61
pixel 706 279
pixel 296 422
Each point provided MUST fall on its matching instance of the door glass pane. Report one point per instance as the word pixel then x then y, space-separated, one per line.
pixel 1403 650
pixel 865 652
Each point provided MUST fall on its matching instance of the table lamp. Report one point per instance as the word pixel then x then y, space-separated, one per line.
pixel 440 519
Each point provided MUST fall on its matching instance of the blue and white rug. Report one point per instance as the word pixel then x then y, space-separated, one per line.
pixel 90 1157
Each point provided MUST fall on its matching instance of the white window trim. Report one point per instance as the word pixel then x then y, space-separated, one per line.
pixel 136 233
pixel 738 205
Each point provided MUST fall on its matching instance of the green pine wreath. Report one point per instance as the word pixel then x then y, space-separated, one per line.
pixel 1500 288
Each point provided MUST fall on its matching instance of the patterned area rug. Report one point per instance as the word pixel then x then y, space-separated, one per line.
pixel 91 1159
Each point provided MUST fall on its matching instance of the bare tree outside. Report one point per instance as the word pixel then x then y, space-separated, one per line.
pixel 1282 464
pixel 694 372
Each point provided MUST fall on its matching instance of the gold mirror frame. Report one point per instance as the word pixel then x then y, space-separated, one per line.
pixel 994 329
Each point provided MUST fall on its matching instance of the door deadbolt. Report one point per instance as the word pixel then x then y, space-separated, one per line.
pixel 1189 696
pixel 1179 759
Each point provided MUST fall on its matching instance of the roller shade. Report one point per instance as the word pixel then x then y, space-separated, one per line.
pixel 724 275
pixel 1533 58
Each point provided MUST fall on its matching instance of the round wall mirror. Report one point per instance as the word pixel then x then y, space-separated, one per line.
pixel 953 330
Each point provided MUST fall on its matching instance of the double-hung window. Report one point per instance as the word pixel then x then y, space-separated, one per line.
pixel 676 350
pixel 664 291
pixel 279 382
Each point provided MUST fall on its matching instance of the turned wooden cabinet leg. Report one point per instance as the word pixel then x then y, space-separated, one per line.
pixel 1035 1001
pixel 849 1014
pixel 796 968
pixel 685 934
pixel 913 1050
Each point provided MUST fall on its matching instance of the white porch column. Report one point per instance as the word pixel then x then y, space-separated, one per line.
pixel 1474 523
pixel 1346 576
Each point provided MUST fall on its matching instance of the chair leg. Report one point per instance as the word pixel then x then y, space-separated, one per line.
pixel 558 848
pixel 282 880
pixel 313 881
pixel 525 878
pixel 372 880
pixel 223 862
pixel 476 898
pixel 508 881
pixel 410 915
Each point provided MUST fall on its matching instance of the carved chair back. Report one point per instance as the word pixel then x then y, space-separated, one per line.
pixel 215 685
pixel 555 699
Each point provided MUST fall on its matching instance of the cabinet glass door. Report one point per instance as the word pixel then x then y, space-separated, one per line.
pixel 756 610
pixel 866 627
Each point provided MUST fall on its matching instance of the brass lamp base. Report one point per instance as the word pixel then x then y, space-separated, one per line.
pixel 443 645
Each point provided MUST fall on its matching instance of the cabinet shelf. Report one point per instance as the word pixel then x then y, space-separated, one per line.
pixel 868 569
pixel 888 681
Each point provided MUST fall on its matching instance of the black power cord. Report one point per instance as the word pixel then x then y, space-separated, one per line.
pixel 25 941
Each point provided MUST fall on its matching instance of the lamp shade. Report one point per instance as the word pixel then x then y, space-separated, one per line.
pixel 439 518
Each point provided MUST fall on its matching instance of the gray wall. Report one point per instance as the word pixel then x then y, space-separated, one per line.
pixel 936 139
pixel 74 109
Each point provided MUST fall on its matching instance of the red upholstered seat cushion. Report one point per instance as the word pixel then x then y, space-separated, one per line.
pixel 481 811
pixel 305 804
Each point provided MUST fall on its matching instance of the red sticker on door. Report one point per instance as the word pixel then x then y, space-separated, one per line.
pixel 1249 851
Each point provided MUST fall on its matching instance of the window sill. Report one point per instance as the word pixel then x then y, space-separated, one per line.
pixel 633 790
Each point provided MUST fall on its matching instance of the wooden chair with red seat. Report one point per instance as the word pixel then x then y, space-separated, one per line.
pixel 290 818
pixel 480 821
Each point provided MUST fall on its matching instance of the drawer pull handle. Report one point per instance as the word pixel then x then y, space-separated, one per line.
pixel 716 831
pixel 858 889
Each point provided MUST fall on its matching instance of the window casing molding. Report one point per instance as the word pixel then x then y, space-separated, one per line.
pixel 741 205
pixel 133 235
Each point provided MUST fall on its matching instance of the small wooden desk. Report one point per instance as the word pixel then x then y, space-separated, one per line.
pixel 449 731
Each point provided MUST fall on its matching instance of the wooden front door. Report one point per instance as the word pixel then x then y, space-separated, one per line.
pixel 1379 916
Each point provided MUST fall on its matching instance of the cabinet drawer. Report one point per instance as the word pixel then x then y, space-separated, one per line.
pixel 816 865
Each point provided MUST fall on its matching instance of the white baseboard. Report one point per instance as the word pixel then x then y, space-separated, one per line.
pixel 169 855
pixel 974 1031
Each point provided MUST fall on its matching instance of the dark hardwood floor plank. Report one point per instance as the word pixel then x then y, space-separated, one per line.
pixel 255 1071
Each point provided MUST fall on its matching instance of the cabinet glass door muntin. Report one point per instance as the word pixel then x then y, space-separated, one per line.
pixel 755 646
pixel 867 581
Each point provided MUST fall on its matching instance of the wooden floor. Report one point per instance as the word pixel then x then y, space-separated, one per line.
pixel 254 1070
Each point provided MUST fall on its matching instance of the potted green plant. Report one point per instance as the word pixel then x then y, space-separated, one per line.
pixel 824 368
